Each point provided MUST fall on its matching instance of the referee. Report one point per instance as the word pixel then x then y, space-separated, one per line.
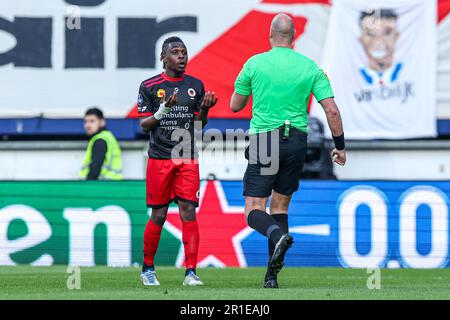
pixel 280 81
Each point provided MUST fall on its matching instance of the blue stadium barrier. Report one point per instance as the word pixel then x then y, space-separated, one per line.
pixel 124 129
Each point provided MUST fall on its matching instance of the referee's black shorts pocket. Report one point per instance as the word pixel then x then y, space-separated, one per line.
pixel 256 184
pixel 292 159
pixel 265 173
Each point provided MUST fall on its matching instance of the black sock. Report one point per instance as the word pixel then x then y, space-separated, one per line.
pixel 147 267
pixel 265 224
pixel 282 221
pixel 189 270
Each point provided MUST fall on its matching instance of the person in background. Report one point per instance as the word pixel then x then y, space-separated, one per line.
pixel 103 159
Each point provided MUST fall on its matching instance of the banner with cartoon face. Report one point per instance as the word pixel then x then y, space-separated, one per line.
pixel 380 56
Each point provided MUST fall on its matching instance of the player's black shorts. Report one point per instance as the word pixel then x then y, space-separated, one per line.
pixel 259 179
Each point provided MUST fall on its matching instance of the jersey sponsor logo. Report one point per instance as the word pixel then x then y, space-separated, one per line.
pixel 191 93
pixel 160 93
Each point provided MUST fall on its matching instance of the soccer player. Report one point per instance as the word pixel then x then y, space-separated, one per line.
pixel 170 102
pixel 280 81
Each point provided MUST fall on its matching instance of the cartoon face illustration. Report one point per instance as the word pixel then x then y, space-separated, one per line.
pixel 378 37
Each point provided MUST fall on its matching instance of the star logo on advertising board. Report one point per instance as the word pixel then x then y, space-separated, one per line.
pixel 222 228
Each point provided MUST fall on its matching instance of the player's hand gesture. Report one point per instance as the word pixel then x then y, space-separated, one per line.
pixel 339 156
pixel 209 100
pixel 165 106
pixel 171 100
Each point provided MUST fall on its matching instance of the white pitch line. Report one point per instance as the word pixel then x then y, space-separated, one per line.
pixel 318 229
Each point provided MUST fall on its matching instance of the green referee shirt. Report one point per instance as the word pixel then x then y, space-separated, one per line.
pixel 281 81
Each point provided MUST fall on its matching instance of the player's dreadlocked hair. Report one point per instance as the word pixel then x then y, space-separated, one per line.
pixel 165 46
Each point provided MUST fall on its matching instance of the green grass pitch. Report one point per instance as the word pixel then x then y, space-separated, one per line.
pixel 24 282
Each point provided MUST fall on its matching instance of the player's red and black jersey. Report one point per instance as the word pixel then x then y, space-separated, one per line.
pixel 179 121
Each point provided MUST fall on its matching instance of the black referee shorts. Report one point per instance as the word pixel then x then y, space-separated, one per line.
pixel 259 179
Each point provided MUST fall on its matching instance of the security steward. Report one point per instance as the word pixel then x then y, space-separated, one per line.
pixel 103 158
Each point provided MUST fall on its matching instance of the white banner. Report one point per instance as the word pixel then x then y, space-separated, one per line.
pixel 57 59
pixel 381 59
pixel 443 66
